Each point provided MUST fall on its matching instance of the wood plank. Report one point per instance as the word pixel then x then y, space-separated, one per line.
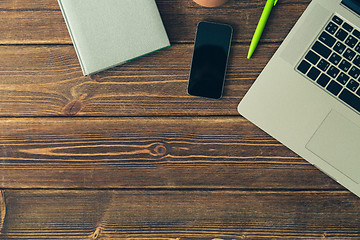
pixel 181 215
pixel 47 81
pixel 226 152
pixel 41 22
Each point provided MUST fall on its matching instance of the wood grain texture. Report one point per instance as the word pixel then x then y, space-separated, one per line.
pixel 47 81
pixel 127 154
pixel 181 215
pixel 41 22
pixel 226 152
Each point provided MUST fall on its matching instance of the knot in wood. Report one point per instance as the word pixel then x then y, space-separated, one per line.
pixel 96 234
pixel 73 108
pixel 158 149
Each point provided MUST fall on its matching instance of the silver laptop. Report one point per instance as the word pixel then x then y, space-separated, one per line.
pixel 308 95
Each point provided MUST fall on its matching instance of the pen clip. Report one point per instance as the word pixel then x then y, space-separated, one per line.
pixel 275 2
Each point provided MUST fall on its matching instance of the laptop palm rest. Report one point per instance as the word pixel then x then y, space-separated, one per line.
pixel 337 141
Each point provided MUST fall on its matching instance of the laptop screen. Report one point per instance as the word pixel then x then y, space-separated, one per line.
pixel 353 5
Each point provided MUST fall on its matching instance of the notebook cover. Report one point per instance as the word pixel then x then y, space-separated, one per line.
pixel 107 33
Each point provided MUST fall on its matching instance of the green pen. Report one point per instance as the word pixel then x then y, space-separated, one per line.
pixel 261 25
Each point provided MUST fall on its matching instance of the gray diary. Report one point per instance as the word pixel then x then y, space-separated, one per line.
pixel 107 33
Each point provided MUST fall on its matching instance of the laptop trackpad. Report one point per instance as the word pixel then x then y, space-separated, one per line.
pixel 337 141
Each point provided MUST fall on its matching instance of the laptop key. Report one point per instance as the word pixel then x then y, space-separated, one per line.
pixel 333 72
pixel 313 73
pixel 357 48
pixel 335 59
pixel 345 65
pixel 331 28
pixel 356 33
pixel 339 47
pixel 342 78
pixel 312 57
pixel 334 87
pixel 354 72
pixel 349 54
pixel 351 41
pixel 304 66
pixel 341 34
pixel 357 61
pixel 337 20
pixel 352 85
pixel 323 80
pixel 350 98
pixel 321 49
pixel 327 39
pixel 323 65
pixel 347 27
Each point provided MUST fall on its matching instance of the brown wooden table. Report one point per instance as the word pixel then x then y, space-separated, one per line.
pixel 127 154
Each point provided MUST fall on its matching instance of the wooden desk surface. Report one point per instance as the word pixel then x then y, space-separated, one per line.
pixel 127 154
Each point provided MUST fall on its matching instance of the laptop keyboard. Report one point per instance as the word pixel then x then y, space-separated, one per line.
pixel 333 62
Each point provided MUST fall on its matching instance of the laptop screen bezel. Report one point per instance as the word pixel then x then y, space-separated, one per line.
pixel 353 5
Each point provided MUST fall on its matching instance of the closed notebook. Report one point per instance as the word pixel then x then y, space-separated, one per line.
pixel 107 33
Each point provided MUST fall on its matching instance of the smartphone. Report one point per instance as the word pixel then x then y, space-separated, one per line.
pixel 209 61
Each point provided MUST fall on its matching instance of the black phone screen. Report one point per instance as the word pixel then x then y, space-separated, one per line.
pixel 209 62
